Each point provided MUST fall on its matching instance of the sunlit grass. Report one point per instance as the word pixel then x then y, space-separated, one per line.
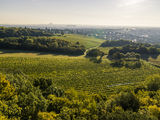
pixel 73 72
pixel 88 42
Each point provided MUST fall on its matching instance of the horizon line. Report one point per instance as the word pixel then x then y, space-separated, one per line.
pixel 89 25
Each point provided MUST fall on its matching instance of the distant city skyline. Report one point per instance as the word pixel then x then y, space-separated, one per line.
pixel 81 12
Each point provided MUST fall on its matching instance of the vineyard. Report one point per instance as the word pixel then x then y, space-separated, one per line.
pixel 73 72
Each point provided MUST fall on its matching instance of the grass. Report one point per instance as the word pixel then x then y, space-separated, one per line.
pixel 105 49
pixel 88 42
pixel 72 72
pixel 155 61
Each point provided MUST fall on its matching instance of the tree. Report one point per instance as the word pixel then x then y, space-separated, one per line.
pixel 94 53
pixel 117 56
pixel 128 101
pixel 8 99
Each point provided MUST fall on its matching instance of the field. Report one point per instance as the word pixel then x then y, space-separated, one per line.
pixel 155 61
pixel 72 72
pixel 88 42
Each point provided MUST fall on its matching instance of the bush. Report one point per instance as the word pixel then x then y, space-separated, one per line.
pixel 155 111
pixel 117 63
pixel 153 83
pixel 128 101
pixel 133 65
pixel 94 53
pixel 46 116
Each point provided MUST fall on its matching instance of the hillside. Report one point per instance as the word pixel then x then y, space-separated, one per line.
pixel 88 42
pixel 75 72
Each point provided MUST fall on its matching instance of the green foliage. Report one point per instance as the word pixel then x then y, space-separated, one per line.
pixel 128 101
pixel 116 43
pixel 127 115
pixel 153 83
pixel 117 63
pixel 94 53
pixel 6 90
pixel 133 65
pixel 42 83
pixel 44 44
pixel 17 32
pixel 2 117
pixel 129 60
pixel 57 103
pixel 29 97
pixel 134 51
pixel 8 99
pixel 29 103
pixel 46 116
pixel 155 111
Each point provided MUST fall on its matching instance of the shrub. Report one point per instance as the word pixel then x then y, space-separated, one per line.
pixel 128 101
pixel 153 83
pixel 94 53
pixel 46 116
pixel 155 111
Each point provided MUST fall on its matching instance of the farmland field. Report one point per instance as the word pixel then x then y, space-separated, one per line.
pixel 72 72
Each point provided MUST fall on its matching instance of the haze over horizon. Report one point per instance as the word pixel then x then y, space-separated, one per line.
pixel 87 12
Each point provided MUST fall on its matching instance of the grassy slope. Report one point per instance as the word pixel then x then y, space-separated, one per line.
pixel 155 61
pixel 88 42
pixel 76 72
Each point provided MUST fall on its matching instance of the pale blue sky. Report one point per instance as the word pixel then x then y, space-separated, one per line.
pixel 88 12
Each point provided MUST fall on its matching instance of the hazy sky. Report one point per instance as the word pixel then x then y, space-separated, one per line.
pixel 88 12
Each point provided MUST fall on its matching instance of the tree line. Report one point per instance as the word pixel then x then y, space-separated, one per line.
pixel 121 43
pixel 44 44
pixel 138 48
pixel 18 32
pixel 130 55
pixel 115 43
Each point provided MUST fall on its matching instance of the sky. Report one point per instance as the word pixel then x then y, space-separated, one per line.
pixel 81 12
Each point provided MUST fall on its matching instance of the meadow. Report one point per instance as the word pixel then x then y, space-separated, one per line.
pixel 155 61
pixel 73 72
pixel 88 42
